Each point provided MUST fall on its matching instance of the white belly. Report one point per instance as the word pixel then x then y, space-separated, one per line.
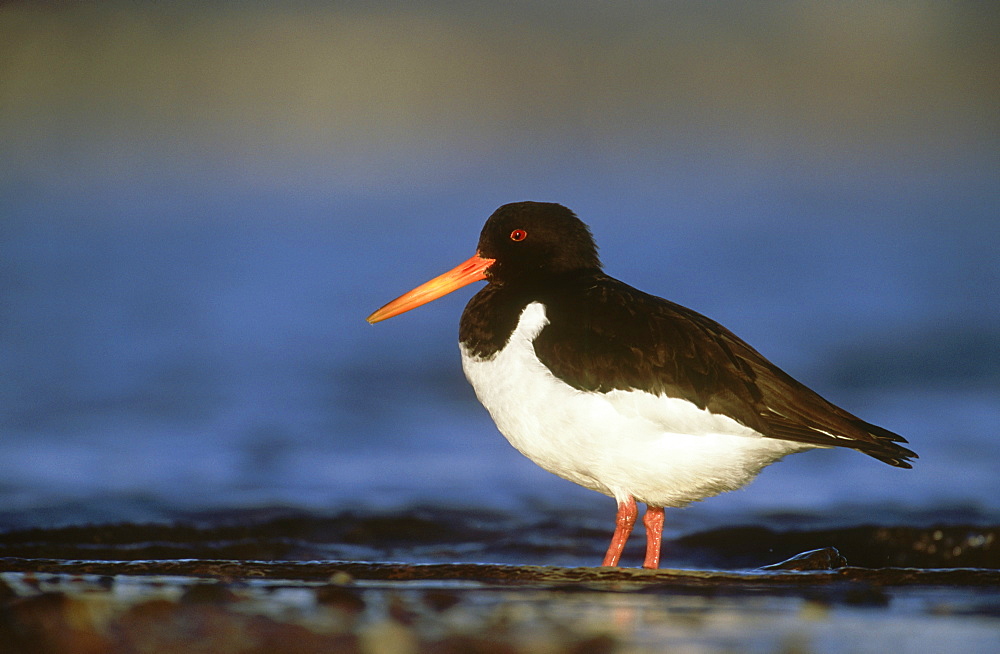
pixel 662 451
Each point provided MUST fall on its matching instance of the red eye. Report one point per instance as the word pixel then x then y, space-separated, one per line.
pixel 518 235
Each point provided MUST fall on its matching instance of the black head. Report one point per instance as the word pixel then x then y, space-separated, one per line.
pixel 536 238
pixel 531 242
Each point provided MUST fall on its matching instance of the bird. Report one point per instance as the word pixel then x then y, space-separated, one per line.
pixel 623 392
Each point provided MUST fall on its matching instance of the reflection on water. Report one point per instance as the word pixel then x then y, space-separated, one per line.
pixel 322 607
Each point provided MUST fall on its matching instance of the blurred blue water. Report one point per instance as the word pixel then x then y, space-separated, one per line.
pixel 200 203
pixel 196 347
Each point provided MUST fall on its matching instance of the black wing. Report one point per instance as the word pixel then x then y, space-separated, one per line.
pixel 612 336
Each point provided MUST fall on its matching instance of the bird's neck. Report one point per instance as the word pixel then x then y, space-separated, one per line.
pixel 492 314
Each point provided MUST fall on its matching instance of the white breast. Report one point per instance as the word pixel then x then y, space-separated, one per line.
pixel 662 451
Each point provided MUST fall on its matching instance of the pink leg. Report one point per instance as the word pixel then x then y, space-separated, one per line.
pixel 653 520
pixel 624 521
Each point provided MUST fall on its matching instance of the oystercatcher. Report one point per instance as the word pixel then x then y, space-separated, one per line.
pixel 620 391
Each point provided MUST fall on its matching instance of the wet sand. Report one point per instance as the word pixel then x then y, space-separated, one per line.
pixel 251 606
pixel 439 535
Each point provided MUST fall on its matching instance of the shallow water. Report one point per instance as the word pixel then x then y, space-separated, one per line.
pixel 152 606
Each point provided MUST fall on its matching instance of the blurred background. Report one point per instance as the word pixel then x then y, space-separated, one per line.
pixel 201 202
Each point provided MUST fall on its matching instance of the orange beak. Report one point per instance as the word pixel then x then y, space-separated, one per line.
pixel 471 270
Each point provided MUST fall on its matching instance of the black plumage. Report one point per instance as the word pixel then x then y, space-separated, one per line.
pixel 605 335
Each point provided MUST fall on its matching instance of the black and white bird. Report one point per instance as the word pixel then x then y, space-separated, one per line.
pixel 620 391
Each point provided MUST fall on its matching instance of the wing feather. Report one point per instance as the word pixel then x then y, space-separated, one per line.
pixel 612 336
